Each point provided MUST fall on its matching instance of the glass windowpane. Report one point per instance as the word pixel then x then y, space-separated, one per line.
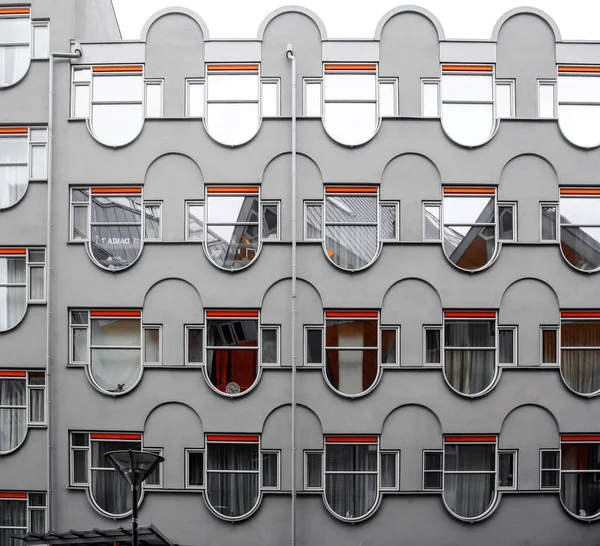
pixel 195 345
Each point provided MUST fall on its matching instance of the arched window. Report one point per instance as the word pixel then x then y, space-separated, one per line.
pixel 579 104
pixel 22 281
pixel 15 38
pixel 580 475
pixel 580 227
pixel 470 359
pixel 233 472
pixel 22 513
pixel 470 238
pixel 22 404
pixel 468 114
pixel 107 490
pixel 109 342
pixel 350 113
pixel 470 490
pixel 352 351
pixel 233 114
pixel 580 351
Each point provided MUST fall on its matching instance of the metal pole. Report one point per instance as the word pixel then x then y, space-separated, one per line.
pixel 134 517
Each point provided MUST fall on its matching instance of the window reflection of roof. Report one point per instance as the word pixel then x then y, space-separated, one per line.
pixel 122 213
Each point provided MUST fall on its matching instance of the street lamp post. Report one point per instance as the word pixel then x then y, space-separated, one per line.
pixel 135 467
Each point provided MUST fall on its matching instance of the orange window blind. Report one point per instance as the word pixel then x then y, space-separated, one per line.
pixel 356 67
pixel 351 439
pixel 231 313
pixel 469 439
pixel 12 495
pixel 580 191
pixel 469 191
pixel 581 69
pixel 232 67
pixel 580 314
pixel 118 68
pixel 115 436
pixel 351 314
pixel 350 189
pixel 116 190
pixel 470 314
pixel 12 373
pixel 231 438
pixel 14 11
pixel 467 68
pixel 232 189
pixel 13 130
pixel 580 438
pixel 115 313
pixel 13 251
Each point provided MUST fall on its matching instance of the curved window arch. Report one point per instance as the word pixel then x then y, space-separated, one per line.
pixel 233 475
pixel 233 226
pixel 468 113
pixel 109 343
pixel 15 48
pixel 580 351
pixel 351 491
pixel 233 115
pixel 470 355
pixel 580 227
pixel 470 239
pixel 470 483
pixel 232 351
pixel 350 105
pixel 580 476
pixel 579 104
pixel 107 490
pixel 352 351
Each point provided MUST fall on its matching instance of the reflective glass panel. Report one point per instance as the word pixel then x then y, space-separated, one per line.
pixel 579 123
pixel 468 210
pixel 351 247
pixel 387 99
pixel 116 370
pixel 470 248
pixel 546 98
pixel 14 63
pixel 468 124
pixel 82 101
pixel 270 99
pixel 351 123
pixel 431 100
pixel 312 99
pixel 196 99
pixel 578 89
pixel 351 209
pixel 503 100
pixel 15 30
pixel 232 123
pixel 117 124
pixel 467 88
pixel 350 86
pixel 243 87
pixel 581 247
pixel 580 211
pixel 118 88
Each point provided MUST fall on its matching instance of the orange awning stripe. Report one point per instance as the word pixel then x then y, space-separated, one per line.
pixel 485 191
pixel 231 438
pixel 115 436
pixel 580 191
pixel 354 67
pixel 13 251
pixel 467 439
pixel 14 11
pixel 231 313
pixel 579 438
pixel 580 314
pixel 10 495
pixel 578 69
pixel 352 314
pixel 351 189
pixel 13 373
pixel 13 130
pixel 115 190
pixel 470 314
pixel 121 68
pixel 232 67
pixel 351 439
pixel 115 313
pixel 467 68
pixel 232 189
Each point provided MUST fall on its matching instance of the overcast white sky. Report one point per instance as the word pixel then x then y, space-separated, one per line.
pixel 577 19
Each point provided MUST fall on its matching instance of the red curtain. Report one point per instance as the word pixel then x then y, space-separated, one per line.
pixel 238 366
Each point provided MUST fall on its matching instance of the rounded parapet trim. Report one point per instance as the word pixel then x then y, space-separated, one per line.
pixel 411 9
pixel 292 9
pixel 174 10
pixel 526 10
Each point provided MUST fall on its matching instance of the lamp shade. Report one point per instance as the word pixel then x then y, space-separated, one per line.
pixel 134 466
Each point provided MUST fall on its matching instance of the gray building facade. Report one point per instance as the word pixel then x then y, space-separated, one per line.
pixel 359 307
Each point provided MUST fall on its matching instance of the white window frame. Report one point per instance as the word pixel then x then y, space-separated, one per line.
pixel 547 83
pixel 396 330
pixel 555 329
pixel 510 83
pixel 158 204
pixel 394 83
pixel 321 453
pixel 39 24
pixel 396 454
pixel 78 204
pixel 160 344
pixel 189 450
pixel 508 204
pixel 305 83
pixel 187 329
pixel 30 387
pixel 556 221
pixel 276 452
pixel 191 82
pixel 81 83
pixel 157 451
pixel 29 508
pixel 158 82
pixel 277 83
pixel 515 357
pixel 436 82
pixel 437 204
pixel 189 204
pixel 304 234
pixel 396 205
pixel 427 471
pixel 277 329
pixel 439 329
pixel 515 457
pixel 542 470
pixel 72 449
pixel 38 143
pixel 35 265
pixel 322 330
pixel 277 205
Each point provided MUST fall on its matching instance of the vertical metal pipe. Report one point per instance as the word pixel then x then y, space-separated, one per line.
pixel 291 57
pixel 134 514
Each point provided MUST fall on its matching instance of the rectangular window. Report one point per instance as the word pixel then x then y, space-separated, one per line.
pixel 194 345
pixel 80 93
pixel 155 479
pixel 194 106
pixel 194 466
pixel 388 101
pixel 433 353
pixel 313 470
pixel 312 98
pixel 313 345
pixel 432 230
pixel 546 99
pixel 36 270
pixel 154 98
pixel 430 98
pixel 80 453
pixel 21 513
pixel 548 223
pixel 152 225
pixel 507 222
pixel 14 160
pixel 390 347
pixel 580 351
pixel 270 345
pixel 549 469
pixel 270 97
pixel 432 470
pixel 152 345
pixel 505 98
pixel 79 326
pixel 41 40
pixel 195 221
pixel 507 469
pixel 270 470
pixel 36 386
pixel 507 345
pixel 80 199
pixel 270 220
pixel 388 222
pixel 313 221
pixel 390 470
pixel 550 346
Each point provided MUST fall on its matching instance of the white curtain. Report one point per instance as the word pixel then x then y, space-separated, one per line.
pixel 13 517
pixel 232 478
pixel 14 62
pixel 580 487
pixel 13 413
pixel 13 292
